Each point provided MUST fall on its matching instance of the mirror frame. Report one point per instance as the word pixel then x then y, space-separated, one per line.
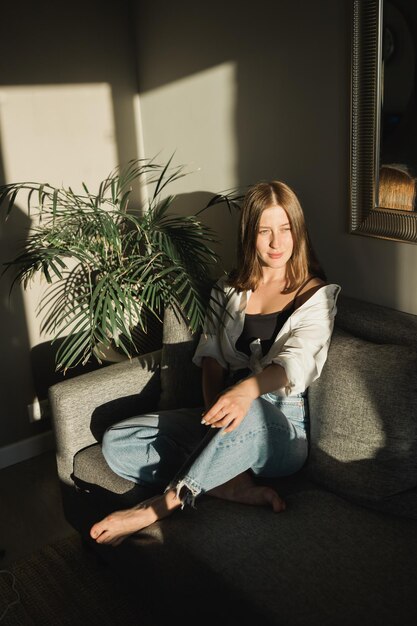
pixel 366 218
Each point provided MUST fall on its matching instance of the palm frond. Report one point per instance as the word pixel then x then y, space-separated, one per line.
pixel 109 269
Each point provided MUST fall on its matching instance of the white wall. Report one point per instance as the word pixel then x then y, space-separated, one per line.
pixel 285 116
pixel 67 115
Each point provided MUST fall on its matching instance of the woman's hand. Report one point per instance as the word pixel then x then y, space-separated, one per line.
pixel 230 406
pixel 229 409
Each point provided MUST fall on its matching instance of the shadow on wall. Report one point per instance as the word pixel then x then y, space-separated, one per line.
pixel 43 365
pixel 218 218
pixel 14 339
pixel 34 31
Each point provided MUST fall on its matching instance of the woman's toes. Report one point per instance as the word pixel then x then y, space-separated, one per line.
pixel 278 505
pixel 94 532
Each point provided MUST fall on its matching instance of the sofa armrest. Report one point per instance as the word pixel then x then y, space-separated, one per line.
pixel 84 406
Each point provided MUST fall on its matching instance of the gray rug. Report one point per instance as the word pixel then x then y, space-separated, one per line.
pixel 64 584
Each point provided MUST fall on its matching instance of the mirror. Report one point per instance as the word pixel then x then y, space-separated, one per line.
pixel 384 120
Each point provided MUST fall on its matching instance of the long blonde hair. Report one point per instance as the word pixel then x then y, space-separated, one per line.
pixel 303 262
pixel 397 188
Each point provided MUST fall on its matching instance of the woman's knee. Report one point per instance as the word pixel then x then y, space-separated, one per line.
pixel 109 443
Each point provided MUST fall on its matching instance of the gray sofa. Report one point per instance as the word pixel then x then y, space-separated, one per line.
pixel 345 550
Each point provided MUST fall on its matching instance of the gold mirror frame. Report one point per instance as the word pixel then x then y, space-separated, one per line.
pixel 365 217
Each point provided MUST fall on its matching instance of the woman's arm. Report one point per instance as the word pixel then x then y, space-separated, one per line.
pixel 213 380
pixel 269 379
pixel 231 406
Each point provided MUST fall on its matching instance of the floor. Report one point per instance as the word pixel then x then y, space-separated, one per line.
pixel 30 502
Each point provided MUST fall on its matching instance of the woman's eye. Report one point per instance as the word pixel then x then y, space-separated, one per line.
pixel 263 232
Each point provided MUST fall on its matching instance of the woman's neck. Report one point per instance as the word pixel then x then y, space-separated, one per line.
pixel 276 277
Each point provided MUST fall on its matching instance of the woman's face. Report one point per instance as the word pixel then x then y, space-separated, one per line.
pixel 274 242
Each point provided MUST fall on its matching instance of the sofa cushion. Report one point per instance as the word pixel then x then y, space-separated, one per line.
pixel 180 378
pixel 364 423
pixel 376 323
pixel 93 476
pixel 323 561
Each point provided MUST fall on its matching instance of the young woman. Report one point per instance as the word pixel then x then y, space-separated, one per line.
pixel 266 345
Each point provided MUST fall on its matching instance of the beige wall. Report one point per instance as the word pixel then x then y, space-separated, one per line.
pixel 67 115
pixel 240 95
pixel 284 115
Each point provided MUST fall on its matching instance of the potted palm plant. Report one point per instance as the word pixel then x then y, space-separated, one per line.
pixel 111 268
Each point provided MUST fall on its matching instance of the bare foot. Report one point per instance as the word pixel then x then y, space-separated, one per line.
pixel 243 489
pixel 114 528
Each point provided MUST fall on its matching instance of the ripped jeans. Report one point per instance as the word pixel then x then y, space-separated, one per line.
pixel 172 449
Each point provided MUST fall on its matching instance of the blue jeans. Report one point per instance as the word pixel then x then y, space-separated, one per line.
pixel 172 449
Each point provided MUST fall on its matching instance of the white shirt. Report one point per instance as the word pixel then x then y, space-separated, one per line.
pixel 300 347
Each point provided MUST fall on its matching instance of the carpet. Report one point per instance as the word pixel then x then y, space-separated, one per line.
pixel 65 584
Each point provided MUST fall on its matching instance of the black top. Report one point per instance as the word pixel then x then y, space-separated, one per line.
pixel 264 326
